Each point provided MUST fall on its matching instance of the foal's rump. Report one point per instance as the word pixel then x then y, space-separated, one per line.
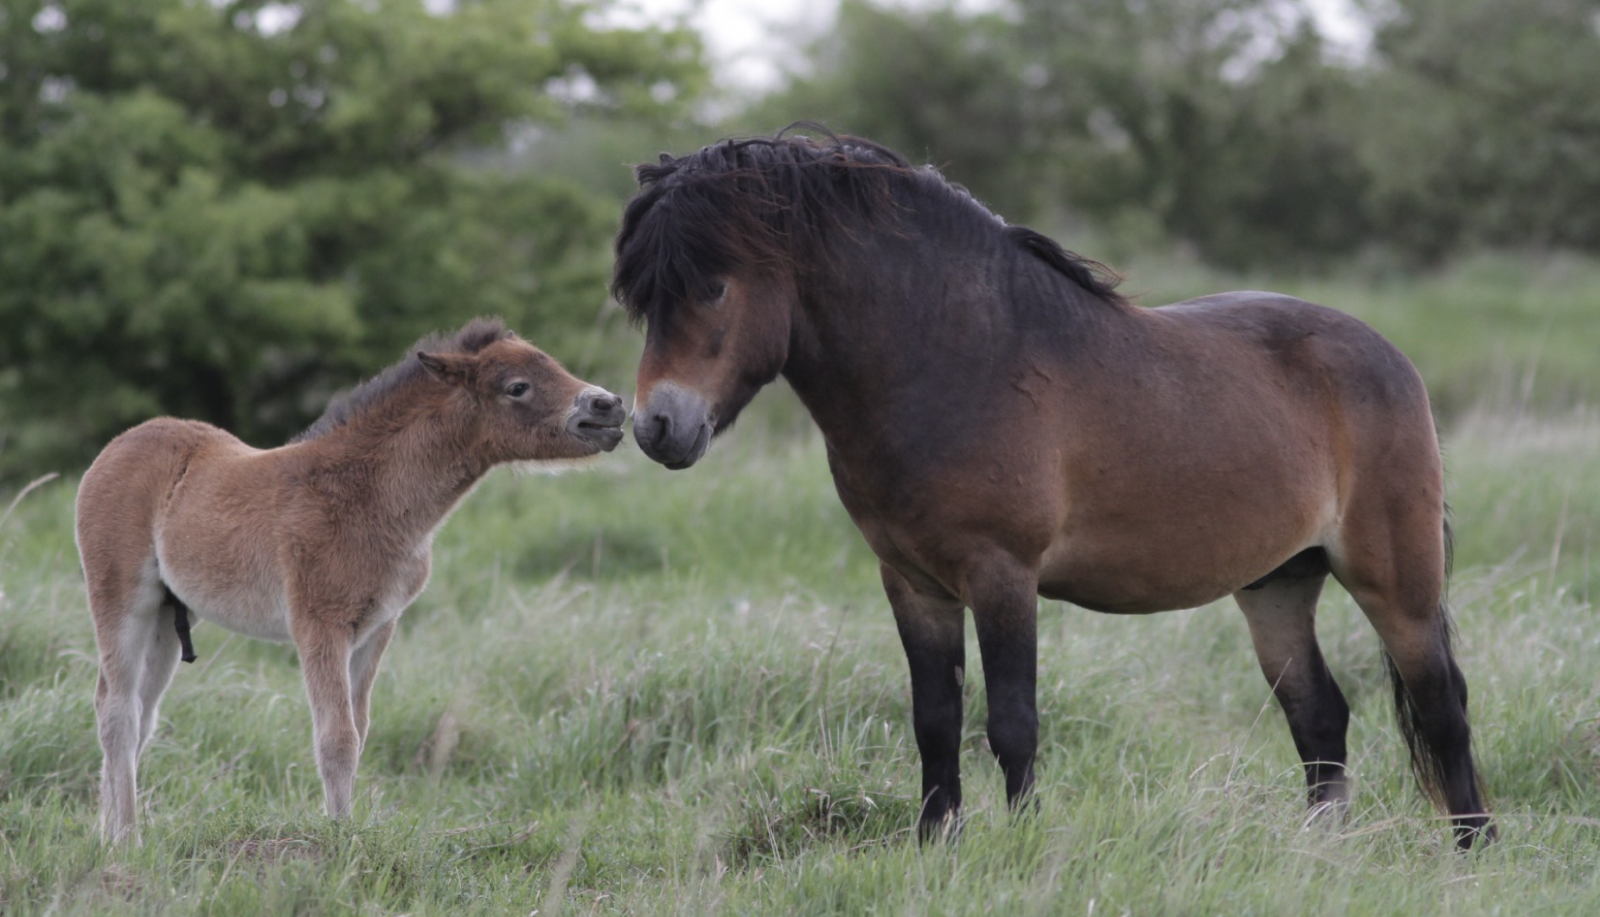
pixel 126 490
pixel 126 504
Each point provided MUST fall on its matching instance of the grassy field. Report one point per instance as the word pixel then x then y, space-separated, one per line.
pixel 630 691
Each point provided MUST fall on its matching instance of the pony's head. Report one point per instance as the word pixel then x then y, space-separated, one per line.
pixel 518 403
pixel 711 258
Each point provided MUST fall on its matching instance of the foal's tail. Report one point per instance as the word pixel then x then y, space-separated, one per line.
pixel 1426 765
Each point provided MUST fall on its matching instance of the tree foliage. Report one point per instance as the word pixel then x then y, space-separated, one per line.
pixel 1230 125
pixel 1483 124
pixel 226 210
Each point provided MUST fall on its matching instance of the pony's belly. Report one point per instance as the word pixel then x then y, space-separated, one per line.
pixel 1154 579
pixel 1123 598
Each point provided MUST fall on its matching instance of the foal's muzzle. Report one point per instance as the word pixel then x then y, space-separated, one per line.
pixel 596 418
pixel 674 426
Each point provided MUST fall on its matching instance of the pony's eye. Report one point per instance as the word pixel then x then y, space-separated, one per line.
pixel 518 389
pixel 716 291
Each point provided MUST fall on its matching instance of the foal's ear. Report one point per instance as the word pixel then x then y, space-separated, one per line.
pixel 453 368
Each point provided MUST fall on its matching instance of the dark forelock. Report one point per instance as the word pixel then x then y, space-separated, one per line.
pixel 755 201
pixel 767 202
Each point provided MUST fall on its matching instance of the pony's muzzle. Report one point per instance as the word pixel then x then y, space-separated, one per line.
pixel 674 426
pixel 597 417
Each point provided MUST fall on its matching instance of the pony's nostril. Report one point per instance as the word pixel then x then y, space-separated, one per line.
pixel 663 430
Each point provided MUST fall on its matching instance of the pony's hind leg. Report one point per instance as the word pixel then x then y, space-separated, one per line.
pixel 1282 618
pixel 1430 695
pixel 1398 582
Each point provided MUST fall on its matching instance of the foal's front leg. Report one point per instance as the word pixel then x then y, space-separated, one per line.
pixel 325 649
pixel 363 670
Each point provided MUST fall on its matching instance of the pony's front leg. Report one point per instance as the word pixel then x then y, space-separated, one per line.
pixel 931 630
pixel 325 649
pixel 1005 611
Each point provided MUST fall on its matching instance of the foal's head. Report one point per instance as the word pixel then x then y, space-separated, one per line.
pixel 521 405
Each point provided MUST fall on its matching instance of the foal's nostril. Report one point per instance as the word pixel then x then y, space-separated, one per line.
pixel 602 406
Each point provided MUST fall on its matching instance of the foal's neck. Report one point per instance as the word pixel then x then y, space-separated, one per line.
pixel 411 467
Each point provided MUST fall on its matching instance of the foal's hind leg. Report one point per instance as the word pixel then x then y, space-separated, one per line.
pixel 160 661
pixel 124 608
pixel 1282 618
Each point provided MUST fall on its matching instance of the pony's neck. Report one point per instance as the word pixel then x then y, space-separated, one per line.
pixel 916 327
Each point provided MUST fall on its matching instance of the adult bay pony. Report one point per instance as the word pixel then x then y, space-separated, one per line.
pixel 1001 424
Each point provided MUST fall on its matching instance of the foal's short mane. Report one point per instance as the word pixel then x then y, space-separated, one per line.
pixel 770 201
pixel 476 335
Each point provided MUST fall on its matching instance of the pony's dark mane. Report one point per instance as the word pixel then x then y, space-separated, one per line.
pixel 476 335
pixel 769 201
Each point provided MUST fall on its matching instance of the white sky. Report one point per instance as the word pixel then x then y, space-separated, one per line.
pixel 747 38
pixel 744 37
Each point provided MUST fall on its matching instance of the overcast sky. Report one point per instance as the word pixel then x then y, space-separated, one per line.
pixel 747 38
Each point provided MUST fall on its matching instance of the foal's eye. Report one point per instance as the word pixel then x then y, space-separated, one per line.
pixel 518 389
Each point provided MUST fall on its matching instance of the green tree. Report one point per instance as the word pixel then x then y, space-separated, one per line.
pixel 1482 125
pixel 1216 122
pixel 226 210
pixel 937 83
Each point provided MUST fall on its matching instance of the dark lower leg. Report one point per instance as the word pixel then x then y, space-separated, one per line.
pixel 1005 610
pixel 931 631
pixel 1431 699
pixel 1318 719
pixel 1282 618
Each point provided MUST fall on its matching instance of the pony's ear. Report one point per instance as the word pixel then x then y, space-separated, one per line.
pixel 666 159
pixel 453 368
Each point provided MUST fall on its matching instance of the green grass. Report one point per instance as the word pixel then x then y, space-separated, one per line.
pixel 635 692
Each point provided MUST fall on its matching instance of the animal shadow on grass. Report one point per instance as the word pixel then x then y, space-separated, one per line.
pixel 782 824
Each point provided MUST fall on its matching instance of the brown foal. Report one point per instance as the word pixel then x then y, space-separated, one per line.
pixel 323 541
